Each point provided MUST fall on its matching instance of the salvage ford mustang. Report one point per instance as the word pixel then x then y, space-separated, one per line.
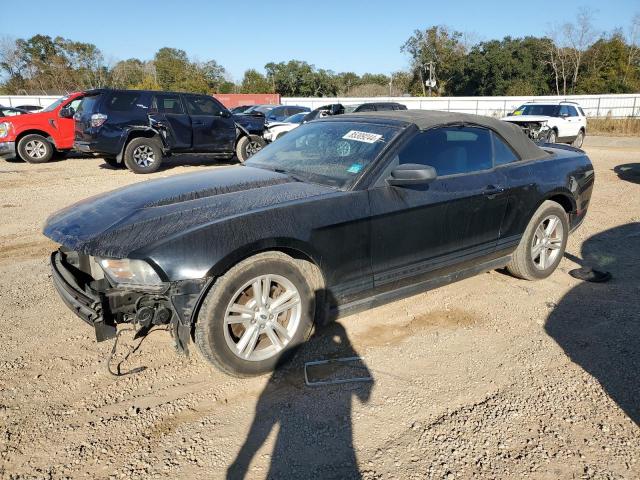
pixel 338 216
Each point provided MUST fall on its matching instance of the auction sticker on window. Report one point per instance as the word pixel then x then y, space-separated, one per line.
pixel 365 137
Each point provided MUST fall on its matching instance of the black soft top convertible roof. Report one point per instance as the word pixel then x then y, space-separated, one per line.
pixel 426 119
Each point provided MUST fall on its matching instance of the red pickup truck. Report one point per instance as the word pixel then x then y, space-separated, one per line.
pixel 37 137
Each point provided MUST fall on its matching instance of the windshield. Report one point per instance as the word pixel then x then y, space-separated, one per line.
pixel 329 153
pixel 56 104
pixel 544 110
pixel 296 118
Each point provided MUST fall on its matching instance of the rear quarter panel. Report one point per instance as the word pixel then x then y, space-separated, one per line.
pixel 566 175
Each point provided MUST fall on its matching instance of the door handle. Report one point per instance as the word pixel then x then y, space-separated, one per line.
pixel 198 123
pixel 492 191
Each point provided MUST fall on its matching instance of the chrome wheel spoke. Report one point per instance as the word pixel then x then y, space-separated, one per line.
pixel 273 337
pixel 551 226
pixel 257 292
pixel 281 330
pixel 248 341
pixel 242 309
pixel 555 244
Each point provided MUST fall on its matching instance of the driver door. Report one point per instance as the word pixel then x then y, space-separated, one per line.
pixel 418 230
pixel 214 129
pixel 66 126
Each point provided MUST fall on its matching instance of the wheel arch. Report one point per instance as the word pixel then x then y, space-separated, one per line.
pixel 294 248
pixel 36 131
pixel 146 132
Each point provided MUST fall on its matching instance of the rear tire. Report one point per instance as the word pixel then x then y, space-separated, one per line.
pixel 143 155
pixel 542 246
pixel 221 329
pixel 249 146
pixel 35 148
pixel 579 140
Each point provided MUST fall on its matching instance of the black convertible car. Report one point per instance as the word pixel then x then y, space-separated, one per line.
pixel 340 215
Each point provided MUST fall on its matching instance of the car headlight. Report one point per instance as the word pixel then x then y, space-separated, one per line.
pixel 133 272
pixel 5 128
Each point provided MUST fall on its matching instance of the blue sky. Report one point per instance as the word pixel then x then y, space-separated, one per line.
pixel 343 35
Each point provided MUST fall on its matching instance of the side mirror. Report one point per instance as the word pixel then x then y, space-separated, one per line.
pixel 225 113
pixel 67 112
pixel 412 174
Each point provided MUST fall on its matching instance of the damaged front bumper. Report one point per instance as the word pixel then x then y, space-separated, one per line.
pixel 103 305
pixel 538 131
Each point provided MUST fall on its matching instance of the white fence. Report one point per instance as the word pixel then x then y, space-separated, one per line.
pixel 616 106
pixel 593 105
pixel 17 100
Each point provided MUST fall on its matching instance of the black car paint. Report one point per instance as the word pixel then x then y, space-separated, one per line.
pixel 179 132
pixel 364 239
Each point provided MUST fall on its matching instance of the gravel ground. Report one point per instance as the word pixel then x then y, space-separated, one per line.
pixel 491 377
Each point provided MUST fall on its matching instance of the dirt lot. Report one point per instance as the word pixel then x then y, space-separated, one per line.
pixel 491 377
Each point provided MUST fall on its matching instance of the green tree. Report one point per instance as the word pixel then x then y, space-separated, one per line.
pixel 442 46
pixel 255 82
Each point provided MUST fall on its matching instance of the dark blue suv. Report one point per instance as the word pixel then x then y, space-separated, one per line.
pixel 138 128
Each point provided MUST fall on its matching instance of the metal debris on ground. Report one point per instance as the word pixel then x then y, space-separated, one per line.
pixel 336 371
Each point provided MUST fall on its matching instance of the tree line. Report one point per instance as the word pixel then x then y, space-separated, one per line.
pixel 572 58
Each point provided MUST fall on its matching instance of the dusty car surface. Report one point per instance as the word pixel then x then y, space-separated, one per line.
pixel 340 215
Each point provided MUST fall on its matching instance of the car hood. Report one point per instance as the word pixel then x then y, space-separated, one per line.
pixel 526 118
pixel 117 223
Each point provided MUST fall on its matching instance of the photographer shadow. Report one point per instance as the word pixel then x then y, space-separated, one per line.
pixel 598 324
pixel 314 424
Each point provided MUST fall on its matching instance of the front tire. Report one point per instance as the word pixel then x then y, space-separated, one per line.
pixel 143 155
pixel 579 140
pixel 256 314
pixel 542 245
pixel 35 148
pixel 552 137
pixel 249 146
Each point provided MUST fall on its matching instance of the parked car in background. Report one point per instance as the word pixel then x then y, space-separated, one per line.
pixel 30 108
pixel 339 109
pixel 374 107
pixel 240 109
pixel 274 113
pixel 37 137
pixel 138 128
pixel 342 214
pixel 11 111
pixel 551 122
pixel 276 130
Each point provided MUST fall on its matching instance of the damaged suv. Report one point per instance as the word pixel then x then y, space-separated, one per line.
pixel 138 128
pixel 340 215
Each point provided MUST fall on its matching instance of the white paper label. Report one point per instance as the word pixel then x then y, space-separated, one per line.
pixel 365 137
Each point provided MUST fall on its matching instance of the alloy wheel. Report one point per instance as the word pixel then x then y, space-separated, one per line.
pixel 262 317
pixel 253 148
pixel 143 155
pixel 547 242
pixel 35 149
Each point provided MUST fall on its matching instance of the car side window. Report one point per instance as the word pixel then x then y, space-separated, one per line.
pixel 201 105
pixel 123 101
pixel 382 107
pixel 564 111
pixel 73 105
pixel 168 104
pixel 502 153
pixel 572 111
pixel 582 111
pixel 450 150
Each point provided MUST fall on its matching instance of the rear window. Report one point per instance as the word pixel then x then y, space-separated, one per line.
pixel 88 104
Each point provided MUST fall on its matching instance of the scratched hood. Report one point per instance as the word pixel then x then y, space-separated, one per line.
pixel 117 223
